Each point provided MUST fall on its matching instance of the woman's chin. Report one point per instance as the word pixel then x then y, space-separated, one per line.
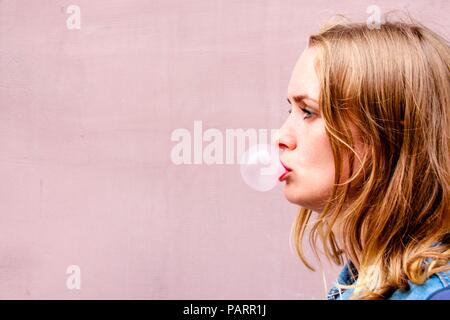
pixel 294 196
pixel 290 194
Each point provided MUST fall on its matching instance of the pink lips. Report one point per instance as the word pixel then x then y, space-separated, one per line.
pixel 281 178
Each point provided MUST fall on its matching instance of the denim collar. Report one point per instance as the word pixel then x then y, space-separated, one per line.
pixel 347 276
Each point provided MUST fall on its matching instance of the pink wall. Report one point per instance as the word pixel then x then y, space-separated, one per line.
pixel 85 139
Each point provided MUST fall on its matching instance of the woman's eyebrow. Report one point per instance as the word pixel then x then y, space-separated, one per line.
pixel 299 98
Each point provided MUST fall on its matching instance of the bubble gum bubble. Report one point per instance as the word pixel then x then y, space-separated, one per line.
pixel 261 167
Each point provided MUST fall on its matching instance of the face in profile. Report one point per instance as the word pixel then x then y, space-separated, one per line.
pixel 303 142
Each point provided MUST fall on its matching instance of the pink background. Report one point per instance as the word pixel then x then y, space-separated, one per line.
pixel 85 124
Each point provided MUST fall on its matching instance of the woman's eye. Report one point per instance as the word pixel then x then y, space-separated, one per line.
pixel 308 113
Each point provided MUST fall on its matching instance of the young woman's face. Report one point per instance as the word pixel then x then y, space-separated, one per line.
pixel 303 142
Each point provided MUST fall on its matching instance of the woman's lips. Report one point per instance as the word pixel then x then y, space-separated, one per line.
pixel 283 176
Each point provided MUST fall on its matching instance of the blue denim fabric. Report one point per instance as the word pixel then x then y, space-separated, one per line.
pixel 425 291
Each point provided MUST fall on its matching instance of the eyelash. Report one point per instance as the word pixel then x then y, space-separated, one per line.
pixel 308 113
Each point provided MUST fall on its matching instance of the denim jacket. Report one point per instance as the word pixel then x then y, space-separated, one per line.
pixel 432 287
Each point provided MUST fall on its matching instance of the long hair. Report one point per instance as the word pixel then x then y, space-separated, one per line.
pixel 393 85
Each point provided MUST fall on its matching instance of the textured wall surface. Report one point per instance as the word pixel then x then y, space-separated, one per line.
pixel 86 117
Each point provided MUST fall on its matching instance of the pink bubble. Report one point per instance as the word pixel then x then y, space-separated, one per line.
pixel 261 167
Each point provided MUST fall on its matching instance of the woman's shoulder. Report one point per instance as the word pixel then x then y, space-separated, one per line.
pixel 436 287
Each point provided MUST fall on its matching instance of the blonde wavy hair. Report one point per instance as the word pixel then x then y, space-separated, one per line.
pixel 393 85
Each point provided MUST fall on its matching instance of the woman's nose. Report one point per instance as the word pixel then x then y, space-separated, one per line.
pixel 286 141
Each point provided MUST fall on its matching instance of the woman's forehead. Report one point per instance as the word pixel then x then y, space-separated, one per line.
pixel 304 80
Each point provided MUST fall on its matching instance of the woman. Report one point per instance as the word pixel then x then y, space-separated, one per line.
pixel 367 141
